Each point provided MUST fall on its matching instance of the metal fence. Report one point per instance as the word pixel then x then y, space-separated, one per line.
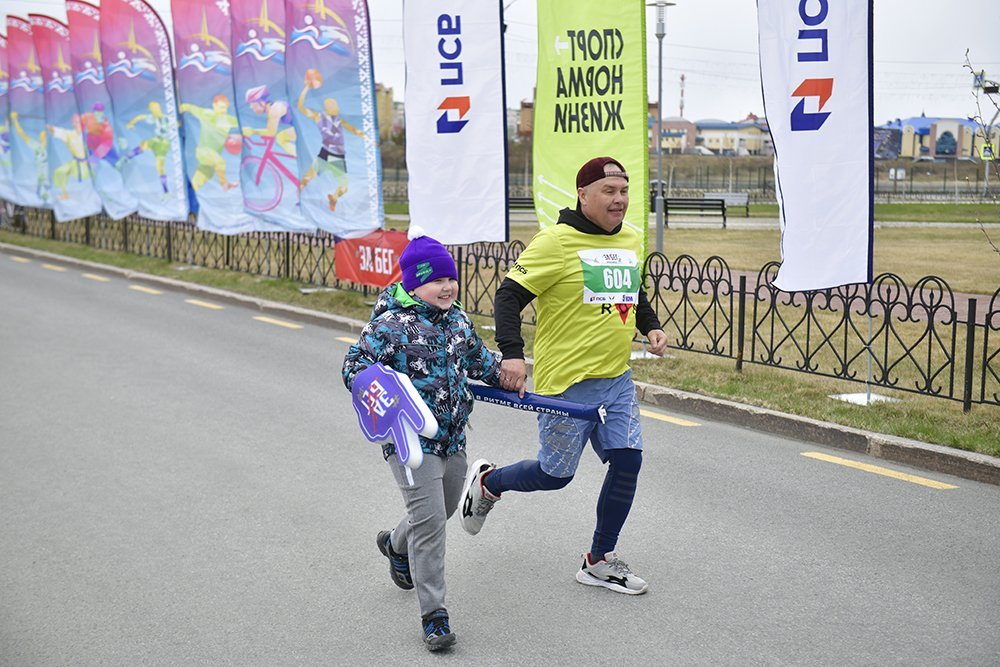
pixel 921 338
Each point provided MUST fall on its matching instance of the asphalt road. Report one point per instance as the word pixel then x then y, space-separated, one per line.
pixel 186 485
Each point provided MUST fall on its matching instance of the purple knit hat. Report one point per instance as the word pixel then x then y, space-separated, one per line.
pixel 424 260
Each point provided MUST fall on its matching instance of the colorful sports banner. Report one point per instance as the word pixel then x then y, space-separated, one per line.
pixel 6 176
pixel 28 141
pixel 94 103
pixel 591 101
pixel 138 65
pixel 372 259
pixel 269 175
pixel 456 130
pixel 816 72
pixel 73 193
pixel 328 72
pixel 213 143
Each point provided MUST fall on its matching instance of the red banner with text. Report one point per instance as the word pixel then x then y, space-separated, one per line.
pixel 372 259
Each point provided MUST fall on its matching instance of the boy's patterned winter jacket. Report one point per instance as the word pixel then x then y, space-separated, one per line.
pixel 438 349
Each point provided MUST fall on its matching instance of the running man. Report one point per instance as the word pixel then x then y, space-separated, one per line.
pixel 586 275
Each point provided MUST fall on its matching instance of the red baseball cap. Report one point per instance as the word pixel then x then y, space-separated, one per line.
pixel 593 170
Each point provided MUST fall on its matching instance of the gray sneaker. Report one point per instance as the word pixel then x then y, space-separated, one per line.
pixel 477 501
pixel 613 573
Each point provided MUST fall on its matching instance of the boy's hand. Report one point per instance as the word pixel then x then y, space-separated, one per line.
pixel 513 375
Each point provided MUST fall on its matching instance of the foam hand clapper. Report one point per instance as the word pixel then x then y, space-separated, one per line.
pixel 389 408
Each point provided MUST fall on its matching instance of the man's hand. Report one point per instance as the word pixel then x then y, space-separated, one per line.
pixel 657 342
pixel 514 374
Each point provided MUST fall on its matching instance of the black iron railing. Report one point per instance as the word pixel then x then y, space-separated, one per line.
pixel 921 338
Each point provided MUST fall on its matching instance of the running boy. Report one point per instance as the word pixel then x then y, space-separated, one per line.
pixel 418 329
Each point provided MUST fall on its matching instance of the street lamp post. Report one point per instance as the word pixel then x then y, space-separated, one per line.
pixel 661 31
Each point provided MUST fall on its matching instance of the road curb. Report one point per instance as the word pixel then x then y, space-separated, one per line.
pixel 967 465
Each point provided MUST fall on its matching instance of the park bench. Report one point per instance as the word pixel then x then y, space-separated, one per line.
pixel 521 202
pixel 733 199
pixel 696 206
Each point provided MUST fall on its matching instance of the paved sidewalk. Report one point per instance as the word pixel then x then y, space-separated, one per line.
pixel 968 465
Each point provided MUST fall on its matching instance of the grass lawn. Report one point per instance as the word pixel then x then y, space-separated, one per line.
pixel 962 256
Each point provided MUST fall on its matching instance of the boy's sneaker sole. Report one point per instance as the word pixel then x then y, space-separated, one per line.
pixel 472 496
pixel 438 642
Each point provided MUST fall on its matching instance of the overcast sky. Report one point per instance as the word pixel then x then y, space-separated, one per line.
pixel 919 45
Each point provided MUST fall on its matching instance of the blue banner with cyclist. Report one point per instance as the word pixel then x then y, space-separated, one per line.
pixel 139 72
pixel 328 72
pixel 269 176
pixel 213 143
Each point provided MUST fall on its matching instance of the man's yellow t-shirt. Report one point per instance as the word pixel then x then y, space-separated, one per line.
pixel 588 288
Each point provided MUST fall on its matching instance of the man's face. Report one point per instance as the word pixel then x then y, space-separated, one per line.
pixel 605 202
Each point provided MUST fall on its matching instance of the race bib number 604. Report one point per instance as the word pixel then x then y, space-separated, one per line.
pixel 610 276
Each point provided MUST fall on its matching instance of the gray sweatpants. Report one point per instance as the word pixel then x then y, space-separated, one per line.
pixel 431 494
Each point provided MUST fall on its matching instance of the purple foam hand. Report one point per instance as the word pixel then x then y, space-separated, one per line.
pixel 389 408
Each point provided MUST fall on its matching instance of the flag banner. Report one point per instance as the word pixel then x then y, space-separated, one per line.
pixel 456 130
pixel 28 142
pixel 6 176
pixel 816 73
pixel 138 64
pixel 269 170
pixel 591 101
pixel 372 259
pixel 213 143
pixel 73 194
pixel 94 103
pixel 328 71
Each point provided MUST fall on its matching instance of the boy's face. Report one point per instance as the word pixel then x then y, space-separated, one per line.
pixel 440 292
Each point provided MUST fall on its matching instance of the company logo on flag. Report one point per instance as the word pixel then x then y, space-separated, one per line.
pixel 816 74
pixel 456 119
pixel 818 88
pixel 445 124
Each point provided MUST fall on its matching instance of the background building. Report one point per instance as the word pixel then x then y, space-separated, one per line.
pixel 940 138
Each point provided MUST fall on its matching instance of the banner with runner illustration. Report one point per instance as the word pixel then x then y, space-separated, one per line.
pixel 816 75
pixel 213 143
pixel 73 194
pixel 456 129
pixel 28 149
pixel 138 65
pixel 269 172
pixel 590 101
pixel 328 72
pixel 94 103
pixel 6 176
